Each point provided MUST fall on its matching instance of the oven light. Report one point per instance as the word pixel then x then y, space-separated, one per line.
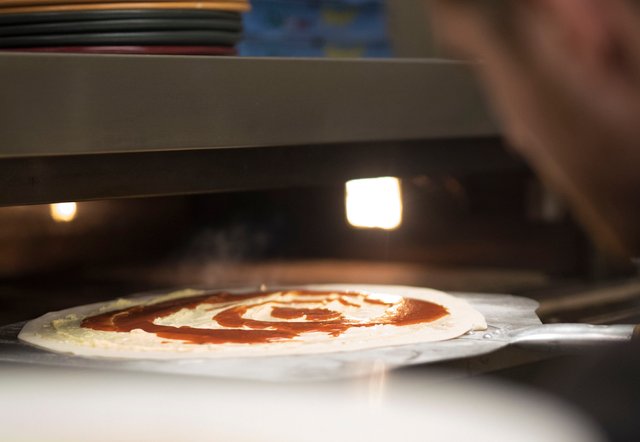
pixel 374 203
pixel 63 212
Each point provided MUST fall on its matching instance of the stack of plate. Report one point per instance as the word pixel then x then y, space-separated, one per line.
pixel 122 26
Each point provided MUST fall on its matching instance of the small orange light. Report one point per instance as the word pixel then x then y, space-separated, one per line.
pixel 63 212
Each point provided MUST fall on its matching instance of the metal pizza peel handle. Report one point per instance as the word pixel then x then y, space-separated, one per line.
pixel 566 337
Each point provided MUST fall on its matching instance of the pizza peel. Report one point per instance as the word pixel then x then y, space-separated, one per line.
pixel 512 321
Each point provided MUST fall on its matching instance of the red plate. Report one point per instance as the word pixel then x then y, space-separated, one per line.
pixel 9 3
pixel 102 5
pixel 151 50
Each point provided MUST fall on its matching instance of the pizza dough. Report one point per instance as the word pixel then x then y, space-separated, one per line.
pixel 244 323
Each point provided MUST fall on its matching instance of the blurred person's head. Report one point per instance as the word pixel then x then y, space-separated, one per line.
pixel 564 76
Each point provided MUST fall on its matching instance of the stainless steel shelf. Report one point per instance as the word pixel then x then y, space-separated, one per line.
pixel 61 104
pixel 176 115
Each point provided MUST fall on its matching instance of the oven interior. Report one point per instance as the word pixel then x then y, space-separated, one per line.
pixel 102 208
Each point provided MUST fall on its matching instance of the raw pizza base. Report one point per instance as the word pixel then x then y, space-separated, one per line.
pixel 61 332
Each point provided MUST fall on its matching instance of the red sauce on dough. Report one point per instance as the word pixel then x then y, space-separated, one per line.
pixel 237 328
pixel 311 314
